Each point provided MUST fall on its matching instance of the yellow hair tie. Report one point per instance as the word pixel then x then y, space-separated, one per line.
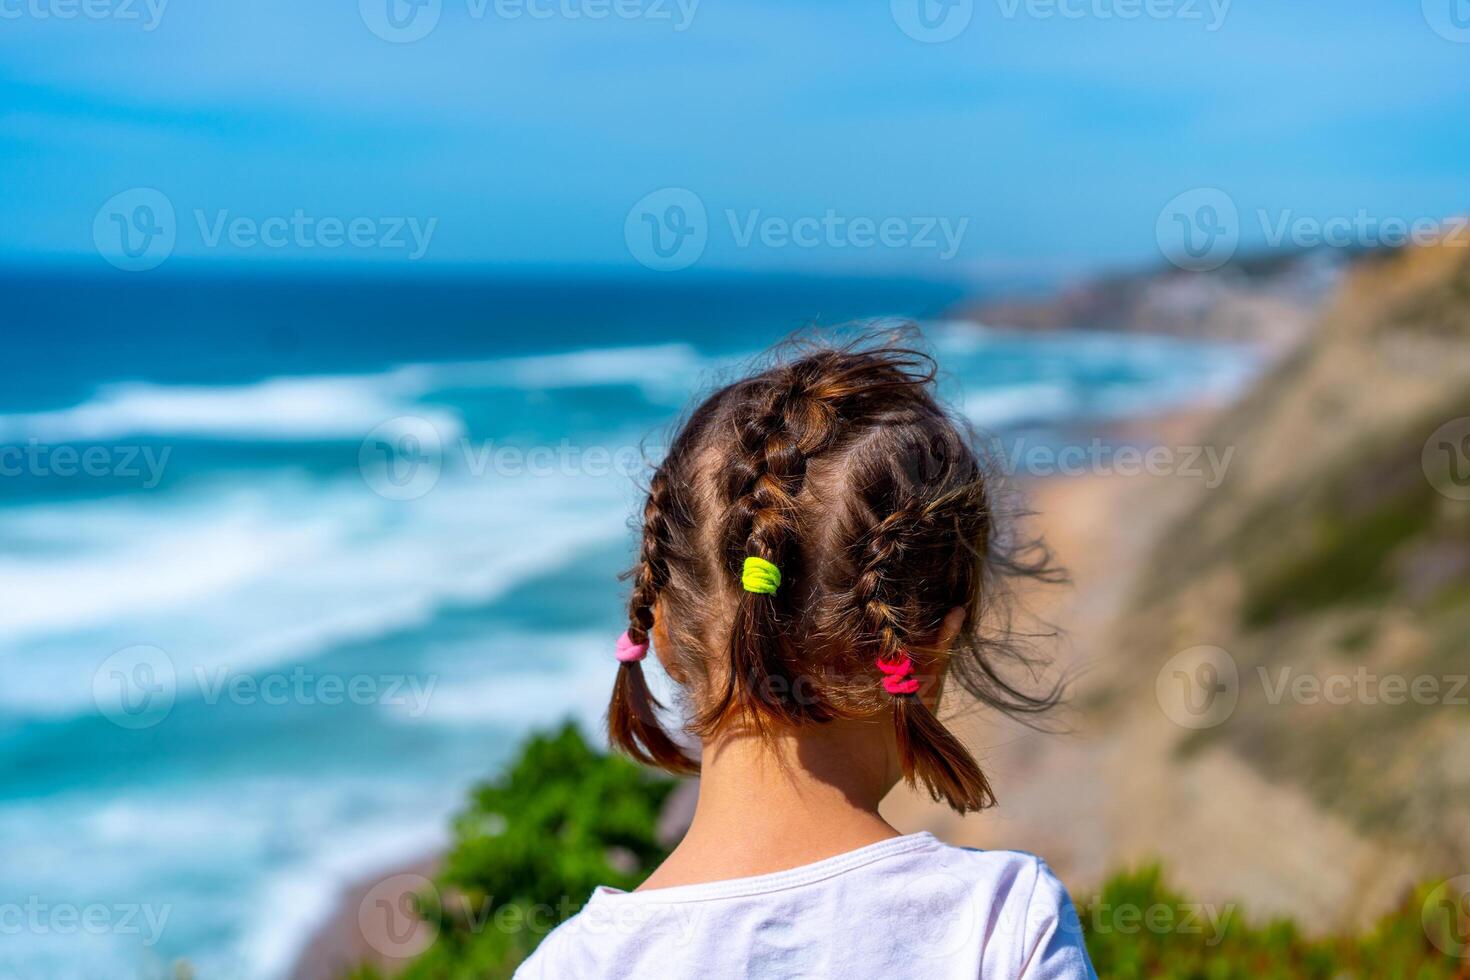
pixel 760 576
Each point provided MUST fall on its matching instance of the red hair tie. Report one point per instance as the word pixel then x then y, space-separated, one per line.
pixel 895 673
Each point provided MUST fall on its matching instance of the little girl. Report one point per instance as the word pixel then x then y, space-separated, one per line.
pixel 818 553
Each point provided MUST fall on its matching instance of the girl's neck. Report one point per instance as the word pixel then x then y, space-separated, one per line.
pixel 769 805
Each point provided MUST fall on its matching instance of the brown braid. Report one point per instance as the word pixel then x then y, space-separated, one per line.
pixel 927 751
pixel 652 570
pixel 632 717
pixel 788 423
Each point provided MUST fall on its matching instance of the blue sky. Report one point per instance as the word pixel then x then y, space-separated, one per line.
pixel 1048 134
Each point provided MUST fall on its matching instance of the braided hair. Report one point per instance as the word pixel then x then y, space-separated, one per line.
pixel 836 466
pixel 633 720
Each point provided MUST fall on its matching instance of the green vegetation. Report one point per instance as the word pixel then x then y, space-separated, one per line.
pixel 528 851
pixel 1347 560
pixel 1138 928
pixel 565 818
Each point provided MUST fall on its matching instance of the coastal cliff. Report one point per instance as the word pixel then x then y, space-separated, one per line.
pixel 1333 565
pixel 1266 300
pixel 1244 657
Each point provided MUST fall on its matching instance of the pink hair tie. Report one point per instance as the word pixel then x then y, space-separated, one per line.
pixel 630 652
pixel 894 674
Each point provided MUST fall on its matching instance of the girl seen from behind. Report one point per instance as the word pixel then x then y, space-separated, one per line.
pixel 820 557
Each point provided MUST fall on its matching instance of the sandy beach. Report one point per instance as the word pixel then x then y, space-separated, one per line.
pixel 369 924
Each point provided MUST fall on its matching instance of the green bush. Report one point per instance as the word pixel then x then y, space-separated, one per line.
pixel 1138 928
pixel 529 849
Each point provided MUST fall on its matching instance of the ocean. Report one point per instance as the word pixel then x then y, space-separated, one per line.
pixel 287 563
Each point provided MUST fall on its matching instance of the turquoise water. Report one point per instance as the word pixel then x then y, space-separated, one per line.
pixel 343 542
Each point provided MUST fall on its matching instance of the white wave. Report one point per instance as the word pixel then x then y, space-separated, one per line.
pixel 274 573
pixel 286 408
pixel 296 901
pixel 345 406
pixel 571 680
pixel 997 408
pixel 272 854
pixel 573 677
pixel 350 405
pixel 585 368
pixel 157 568
pixel 1010 378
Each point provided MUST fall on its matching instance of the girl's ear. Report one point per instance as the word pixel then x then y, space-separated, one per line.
pixel 950 627
pixel 661 646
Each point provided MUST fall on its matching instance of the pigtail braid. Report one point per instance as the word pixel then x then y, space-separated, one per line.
pixel 928 751
pixel 632 714
pixel 791 422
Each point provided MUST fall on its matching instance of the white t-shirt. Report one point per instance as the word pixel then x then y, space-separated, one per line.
pixel 907 907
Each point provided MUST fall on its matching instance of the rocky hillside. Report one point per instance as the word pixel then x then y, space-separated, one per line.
pixel 1331 570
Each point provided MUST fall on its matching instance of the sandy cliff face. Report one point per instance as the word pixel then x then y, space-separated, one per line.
pixel 1245 656
pixel 1334 563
